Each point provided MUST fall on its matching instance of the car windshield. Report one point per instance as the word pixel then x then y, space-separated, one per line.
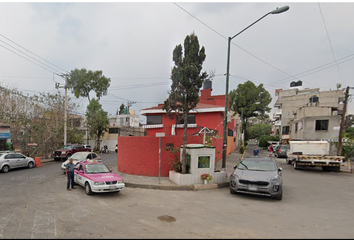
pixel 257 165
pixel 96 168
pixel 79 156
pixel 68 147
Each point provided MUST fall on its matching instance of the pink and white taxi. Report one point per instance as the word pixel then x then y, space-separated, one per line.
pixel 96 177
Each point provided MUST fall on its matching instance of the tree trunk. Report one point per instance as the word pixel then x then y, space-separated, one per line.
pixel 184 152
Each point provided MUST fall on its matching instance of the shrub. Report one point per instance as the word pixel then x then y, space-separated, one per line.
pixel 246 143
pixel 242 149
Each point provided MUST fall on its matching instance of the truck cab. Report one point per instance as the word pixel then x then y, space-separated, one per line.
pixel 68 150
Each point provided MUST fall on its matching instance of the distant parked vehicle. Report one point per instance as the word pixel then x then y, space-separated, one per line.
pixel 281 151
pixel 258 176
pixel 87 146
pixel 10 160
pixel 68 150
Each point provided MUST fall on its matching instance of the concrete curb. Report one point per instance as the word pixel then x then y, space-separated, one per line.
pixel 194 187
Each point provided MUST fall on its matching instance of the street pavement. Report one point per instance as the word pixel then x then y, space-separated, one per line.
pixel 34 203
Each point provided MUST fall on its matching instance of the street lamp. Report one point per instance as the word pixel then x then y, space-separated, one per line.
pixel 275 11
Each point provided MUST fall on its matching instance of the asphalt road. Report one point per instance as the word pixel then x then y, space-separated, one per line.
pixel 34 203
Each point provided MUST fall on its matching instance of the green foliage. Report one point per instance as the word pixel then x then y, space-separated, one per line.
pixel 250 101
pixel 263 140
pixel 9 147
pixel 74 136
pixel 246 143
pixel 175 163
pixel 349 121
pixel 348 149
pixel 121 109
pixel 187 80
pixel 349 133
pixel 83 81
pixel 242 149
pixel 97 120
pixel 259 129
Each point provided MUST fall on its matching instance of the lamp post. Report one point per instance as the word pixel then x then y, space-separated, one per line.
pixel 275 11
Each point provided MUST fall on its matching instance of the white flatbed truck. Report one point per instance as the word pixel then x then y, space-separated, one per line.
pixel 313 154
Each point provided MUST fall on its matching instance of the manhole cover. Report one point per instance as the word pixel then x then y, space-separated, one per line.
pixel 166 218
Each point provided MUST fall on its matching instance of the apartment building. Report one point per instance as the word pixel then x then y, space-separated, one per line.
pixel 307 114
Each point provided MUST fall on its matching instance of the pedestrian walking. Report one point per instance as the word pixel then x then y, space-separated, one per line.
pixel 256 152
pixel 70 174
pixel 271 150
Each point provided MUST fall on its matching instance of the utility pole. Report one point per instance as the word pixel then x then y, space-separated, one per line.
pixel 65 76
pixel 346 96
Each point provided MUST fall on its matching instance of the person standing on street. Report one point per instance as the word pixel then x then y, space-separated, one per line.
pixel 70 174
pixel 256 152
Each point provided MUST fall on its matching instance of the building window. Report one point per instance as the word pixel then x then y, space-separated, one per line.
pixel 190 119
pixel 285 130
pixel 296 127
pixel 154 119
pixel 204 162
pixel 321 125
pixel 313 99
pixel 113 130
pixel 230 133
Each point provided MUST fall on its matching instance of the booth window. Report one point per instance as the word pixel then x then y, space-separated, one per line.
pixel 204 162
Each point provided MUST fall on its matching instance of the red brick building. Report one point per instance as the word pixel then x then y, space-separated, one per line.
pixel 139 155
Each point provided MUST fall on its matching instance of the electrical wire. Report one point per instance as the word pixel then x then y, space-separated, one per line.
pixel 329 40
pixel 253 55
pixel 33 53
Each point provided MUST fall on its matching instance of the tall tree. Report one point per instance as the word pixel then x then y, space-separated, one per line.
pixel 349 121
pixel 121 109
pixel 259 129
pixel 249 101
pixel 83 81
pixel 187 80
pixel 97 120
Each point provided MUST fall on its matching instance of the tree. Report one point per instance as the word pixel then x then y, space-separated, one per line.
pixel 121 109
pixel 97 120
pixel 349 121
pixel 259 129
pixel 82 82
pixel 187 80
pixel 250 101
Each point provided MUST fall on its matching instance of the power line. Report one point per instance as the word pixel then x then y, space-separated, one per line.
pixel 28 60
pixel 253 55
pixel 32 53
pixel 329 40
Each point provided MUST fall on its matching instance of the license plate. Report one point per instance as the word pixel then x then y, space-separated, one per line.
pixel 252 188
pixel 112 187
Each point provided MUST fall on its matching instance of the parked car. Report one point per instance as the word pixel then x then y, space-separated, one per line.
pixel 259 176
pixel 116 148
pixel 281 151
pixel 10 160
pixel 96 177
pixel 68 150
pixel 80 157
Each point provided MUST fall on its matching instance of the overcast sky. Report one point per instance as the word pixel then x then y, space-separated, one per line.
pixel 132 44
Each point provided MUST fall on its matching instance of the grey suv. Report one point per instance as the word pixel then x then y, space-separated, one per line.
pixel 10 160
pixel 260 176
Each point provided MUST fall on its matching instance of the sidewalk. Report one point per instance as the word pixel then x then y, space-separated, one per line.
pixel 136 181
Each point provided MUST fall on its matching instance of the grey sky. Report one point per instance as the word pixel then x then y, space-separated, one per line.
pixel 132 43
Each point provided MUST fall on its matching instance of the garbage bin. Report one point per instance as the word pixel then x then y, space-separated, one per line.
pixel 38 161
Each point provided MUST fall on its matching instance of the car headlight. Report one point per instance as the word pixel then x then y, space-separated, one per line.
pixel 273 179
pixel 63 152
pixel 121 181
pixel 98 183
pixel 236 176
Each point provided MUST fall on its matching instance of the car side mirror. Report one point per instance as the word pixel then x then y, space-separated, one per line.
pixel 74 148
pixel 235 166
pixel 280 169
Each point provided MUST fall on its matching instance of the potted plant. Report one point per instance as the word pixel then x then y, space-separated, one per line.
pixel 206 178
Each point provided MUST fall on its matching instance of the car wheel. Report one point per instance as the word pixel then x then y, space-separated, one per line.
pixel 279 197
pixel 232 191
pixel 288 161
pixel 30 165
pixel 88 189
pixel 296 167
pixel 56 159
pixel 5 168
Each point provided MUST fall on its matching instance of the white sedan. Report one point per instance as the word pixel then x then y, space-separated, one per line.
pixel 80 157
